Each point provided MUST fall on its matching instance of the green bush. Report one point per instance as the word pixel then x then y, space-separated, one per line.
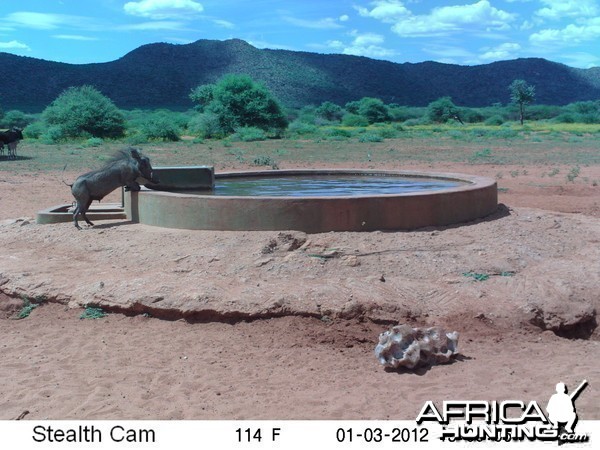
pixel 354 120
pixel 300 128
pixel 370 137
pixel 84 112
pixel 566 118
pixel 337 132
pixel 442 110
pixel 399 113
pixel 330 111
pixel 237 101
pixel 17 119
pixel 160 126
pixel 206 126
pixel 373 109
pixel 262 160
pixel 494 121
pixel 249 134
pixel 94 142
pixel 53 134
pixel 34 130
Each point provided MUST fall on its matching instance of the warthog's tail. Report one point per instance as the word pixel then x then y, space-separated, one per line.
pixel 63 177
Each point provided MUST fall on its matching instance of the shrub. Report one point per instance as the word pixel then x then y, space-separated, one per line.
pixel 470 115
pixel 494 120
pixel 94 142
pixel 402 113
pixel 354 120
pixel 330 111
pixel 262 160
pixel 206 126
pixel 566 118
pixel 373 109
pixel 16 118
pixel 53 134
pixel 249 134
pixel 34 130
pixel 300 128
pixel 237 101
pixel 160 127
pixel 370 137
pixel 337 132
pixel 84 112
pixel 442 110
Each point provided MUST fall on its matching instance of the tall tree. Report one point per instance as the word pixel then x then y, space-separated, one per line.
pixel 521 94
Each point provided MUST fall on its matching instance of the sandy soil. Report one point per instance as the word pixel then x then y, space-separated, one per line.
pixel 269 325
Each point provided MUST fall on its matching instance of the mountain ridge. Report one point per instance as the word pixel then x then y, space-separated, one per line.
pixel 161 75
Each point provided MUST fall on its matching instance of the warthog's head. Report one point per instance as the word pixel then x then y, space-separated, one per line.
pixel 144 167
pixel 18 132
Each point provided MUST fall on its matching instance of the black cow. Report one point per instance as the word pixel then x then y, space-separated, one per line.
pixel 11 138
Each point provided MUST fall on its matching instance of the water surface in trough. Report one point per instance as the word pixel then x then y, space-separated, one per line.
pixel 326 185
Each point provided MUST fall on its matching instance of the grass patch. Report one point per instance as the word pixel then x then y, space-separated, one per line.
pixel 29 305
pixel 93 313
pixel 477 276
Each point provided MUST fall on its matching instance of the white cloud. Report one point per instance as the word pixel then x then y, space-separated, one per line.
pixel 451 19
pixel 451 54
pixel 43 21
pixel 388 11
pixel 223 23
pixel 322 24
pixel 344 18
pixel 74 37
pixel 155 25
pixel 14 45
pixel 561 9
pixel 582 59
pixel 440 21
pixel 163 9
pixel 570 35
pixel 366 44
pixel 508 50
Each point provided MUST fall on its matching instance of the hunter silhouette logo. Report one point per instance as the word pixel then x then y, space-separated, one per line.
pixel 561 410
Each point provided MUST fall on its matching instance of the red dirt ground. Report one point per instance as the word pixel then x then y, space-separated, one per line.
pixel 275 332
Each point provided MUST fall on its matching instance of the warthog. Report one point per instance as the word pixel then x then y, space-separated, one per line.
pixel 10 138
pixel 127 168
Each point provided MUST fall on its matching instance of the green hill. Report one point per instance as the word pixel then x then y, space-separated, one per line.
pixel 162 75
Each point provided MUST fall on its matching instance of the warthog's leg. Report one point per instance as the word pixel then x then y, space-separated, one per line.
pixel 82 209
pixel 12 150
pixel 133 186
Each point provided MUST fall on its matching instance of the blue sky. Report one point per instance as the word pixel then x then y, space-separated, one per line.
pixel 464 32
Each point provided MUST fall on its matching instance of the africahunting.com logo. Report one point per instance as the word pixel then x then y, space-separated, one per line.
pixel 509 420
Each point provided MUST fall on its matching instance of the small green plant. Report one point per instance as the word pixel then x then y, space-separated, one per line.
pixel 249 134
pixel 477 276
pixel 93 142
pixel 481 155
pixel 30 304
pixel 370 137
pixel 573 173
pixel 238 154
pixel 27 308
pixel 93 313
pixel 262 160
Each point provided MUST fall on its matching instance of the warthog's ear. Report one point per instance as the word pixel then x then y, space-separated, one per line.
pixel 135 153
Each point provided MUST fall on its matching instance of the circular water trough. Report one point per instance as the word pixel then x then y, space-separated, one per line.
pixel 470 198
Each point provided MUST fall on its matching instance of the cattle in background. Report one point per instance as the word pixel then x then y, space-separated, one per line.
pixel 10 138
